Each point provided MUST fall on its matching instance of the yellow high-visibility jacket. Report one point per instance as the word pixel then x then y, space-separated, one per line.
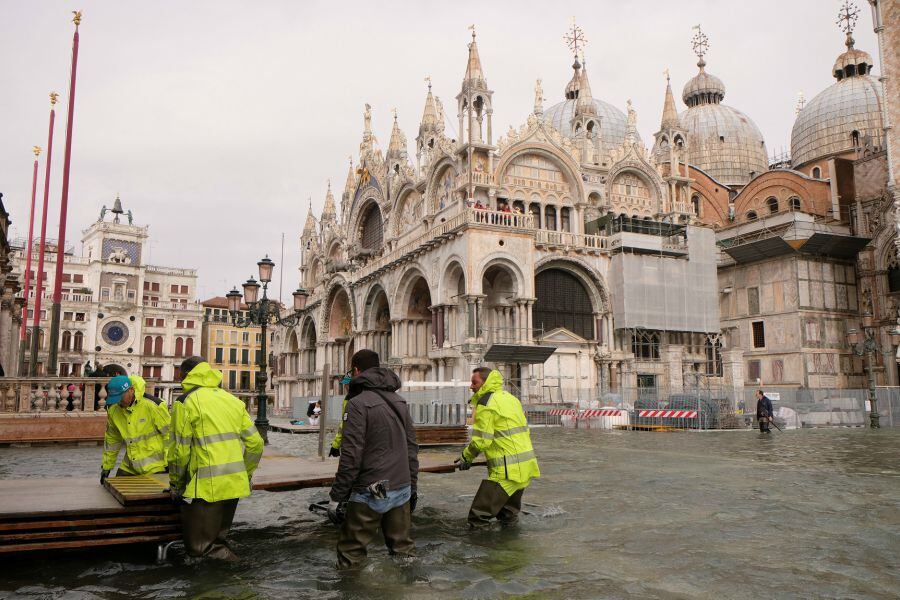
pixel 501 431
pixel 142 429
pixel 339 436
pixel 215 447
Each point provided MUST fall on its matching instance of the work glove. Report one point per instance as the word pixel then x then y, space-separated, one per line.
pixel 462 464
pixel 413 500
pixel 334 452
pixel 103 475
pixel 335 514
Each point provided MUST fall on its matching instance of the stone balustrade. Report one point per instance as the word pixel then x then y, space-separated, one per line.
pixel 36 395
pixel 566 239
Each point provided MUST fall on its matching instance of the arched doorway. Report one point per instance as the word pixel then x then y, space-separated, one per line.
pixel 377 327
pixel 418 319
pixel 500 318
pixel 340 326
pixel 563 301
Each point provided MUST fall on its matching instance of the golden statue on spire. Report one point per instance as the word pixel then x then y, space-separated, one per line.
pixel 76 18
pixel 36 150
pixel 54 98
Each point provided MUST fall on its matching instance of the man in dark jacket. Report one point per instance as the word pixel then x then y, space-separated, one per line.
pixel 764 411
pixel 379 464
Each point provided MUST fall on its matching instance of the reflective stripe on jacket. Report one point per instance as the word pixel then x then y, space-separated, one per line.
pixel 501 431
pixel 142 429
pixel 215 447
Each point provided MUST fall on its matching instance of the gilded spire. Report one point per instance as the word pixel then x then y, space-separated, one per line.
pixel 474 72
pixel 669 114
pixel 584 104
pixel 351 179
pixel 310 228
pixel 397 144
pixel 429 116
pixel 329 211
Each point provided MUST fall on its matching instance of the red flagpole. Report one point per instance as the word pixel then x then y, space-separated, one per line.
pixel 63 207
pixel 38 276
pixel 28 250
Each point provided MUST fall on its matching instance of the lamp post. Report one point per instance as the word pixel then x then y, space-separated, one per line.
pixel 262 312
pixel 863 343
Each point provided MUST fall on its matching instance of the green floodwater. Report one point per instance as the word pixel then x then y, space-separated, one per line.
pixel 803 514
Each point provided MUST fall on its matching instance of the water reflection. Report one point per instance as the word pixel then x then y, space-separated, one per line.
pixel 615 515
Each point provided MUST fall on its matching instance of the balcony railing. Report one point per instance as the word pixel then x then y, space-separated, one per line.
pixel 36 395
pixel 571 240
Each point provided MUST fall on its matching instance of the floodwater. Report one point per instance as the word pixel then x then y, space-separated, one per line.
pixel 803 514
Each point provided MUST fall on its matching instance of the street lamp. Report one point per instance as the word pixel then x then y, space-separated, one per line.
pixel 262 312
pixel 863 343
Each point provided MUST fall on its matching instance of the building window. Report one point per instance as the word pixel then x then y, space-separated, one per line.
pixel 174 289
pixel 66 340
pixel 234 337
pixel 245 357
pixel 550 218
pixel 184 289
pixel 104 293
pixel 753 300
pixel 76 369
pixel 78 278
pixel 759 334
pixel 772 204
pixel 753 370
pixel 645 345
pixel 245 337
pixel 794 203
pixel 231 379
pixel 714 358
pixel 232 356
pixel 179 324
pixel 562 301
pixel 78 341
pixel 179 347
pixel 371 237
pixel 189 347
pixel 219 356
pixel 751 216
pixel 565 221
pixel 64 372
pixel 189 324
pixel 79 317
pixel 160 322
pixel 220 336
pixel 148 322
pixel 245 380
pixel 158 346
pixel 817 173
pixel 695 204
pixel 148 345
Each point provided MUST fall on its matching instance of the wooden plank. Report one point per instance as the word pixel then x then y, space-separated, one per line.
pixel 89 533
pixel 78 544
pixel 83 523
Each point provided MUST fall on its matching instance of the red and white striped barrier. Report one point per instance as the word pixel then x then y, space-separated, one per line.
pixel 562 412
pixel 669 414
pixel 601 412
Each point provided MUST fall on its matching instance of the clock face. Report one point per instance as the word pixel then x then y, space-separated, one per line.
pixel 115 333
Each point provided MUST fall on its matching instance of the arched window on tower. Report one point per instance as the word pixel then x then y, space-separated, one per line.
pixel 772 204
pixel 794 203
pixel 148 345
pixel 816 173
pixel 645 344
pixel 66 343
pixel 751 216
pixel 695 204
pixel 854 138
pixel 78 341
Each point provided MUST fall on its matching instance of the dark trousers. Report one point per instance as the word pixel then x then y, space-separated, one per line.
pixel 361 525
pixel 205 526
pixel 491 501
pixel 764 425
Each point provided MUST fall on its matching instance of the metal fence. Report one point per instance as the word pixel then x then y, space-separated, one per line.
pixel 441 406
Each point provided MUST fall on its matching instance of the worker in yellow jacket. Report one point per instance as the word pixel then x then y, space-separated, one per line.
pixel 215 449
pixel 335 450
pixel 500 430
pixel 137 422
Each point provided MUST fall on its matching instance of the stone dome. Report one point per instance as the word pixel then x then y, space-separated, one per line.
pixel 722 141
pixel 613 122
pixel 840 116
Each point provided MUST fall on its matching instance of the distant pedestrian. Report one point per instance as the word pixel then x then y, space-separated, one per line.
pixel 215 450
pixel 764 413
pixel 379 464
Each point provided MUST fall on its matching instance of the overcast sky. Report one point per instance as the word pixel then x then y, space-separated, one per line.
pixel 216 121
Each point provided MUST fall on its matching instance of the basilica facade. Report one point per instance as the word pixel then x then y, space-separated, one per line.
pixel 645 266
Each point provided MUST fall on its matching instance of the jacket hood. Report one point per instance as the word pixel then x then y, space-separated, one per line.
pixel 376 378
pixel 139 385
pixel 494 383
pixel 202 375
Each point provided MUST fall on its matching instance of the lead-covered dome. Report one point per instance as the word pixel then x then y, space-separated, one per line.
pixel 839 118
pixel 613 122
pixel 722 141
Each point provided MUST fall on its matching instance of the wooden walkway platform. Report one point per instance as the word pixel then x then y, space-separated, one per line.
pixel 77 512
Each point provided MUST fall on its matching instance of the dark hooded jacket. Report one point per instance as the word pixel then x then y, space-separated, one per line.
pixel 763 407
pixel 379 441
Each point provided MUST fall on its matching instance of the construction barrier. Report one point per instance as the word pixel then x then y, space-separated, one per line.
pixel 669 414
